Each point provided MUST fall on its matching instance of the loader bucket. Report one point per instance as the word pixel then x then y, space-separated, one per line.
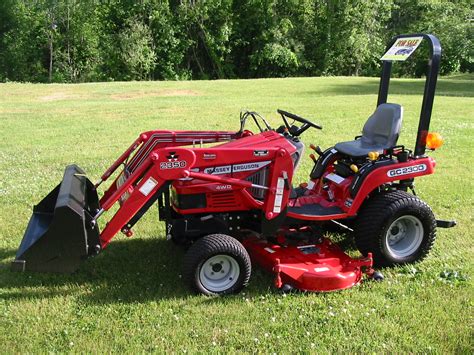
pixel 60 233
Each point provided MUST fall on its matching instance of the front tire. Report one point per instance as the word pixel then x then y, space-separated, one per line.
pixel 217 264
pixel 397 227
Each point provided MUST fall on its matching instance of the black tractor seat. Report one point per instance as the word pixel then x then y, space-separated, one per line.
pixel 380 132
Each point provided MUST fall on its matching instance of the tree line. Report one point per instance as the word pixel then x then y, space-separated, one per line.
pixel 105 40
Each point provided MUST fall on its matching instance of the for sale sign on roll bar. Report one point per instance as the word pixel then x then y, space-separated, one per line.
pixel 402 48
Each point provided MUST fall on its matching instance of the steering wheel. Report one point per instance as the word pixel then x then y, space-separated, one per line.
pixel 306 123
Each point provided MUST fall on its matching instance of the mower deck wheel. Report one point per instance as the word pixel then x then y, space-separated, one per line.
pixel 397 227
pixel 377 276
pixel 217 264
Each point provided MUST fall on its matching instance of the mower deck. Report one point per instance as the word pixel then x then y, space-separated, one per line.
pixel 318 267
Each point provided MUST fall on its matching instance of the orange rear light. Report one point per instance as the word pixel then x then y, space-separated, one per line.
pixel 434 140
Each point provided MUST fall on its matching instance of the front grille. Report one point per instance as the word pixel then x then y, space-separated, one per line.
pixel 222 199
pixel 259 178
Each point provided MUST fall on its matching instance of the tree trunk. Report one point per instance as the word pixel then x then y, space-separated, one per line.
pixel 51 57
pixel 214 59
pixel 68 46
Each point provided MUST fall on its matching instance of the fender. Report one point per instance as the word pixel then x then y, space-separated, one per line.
pixel 388 172
pixel 329 156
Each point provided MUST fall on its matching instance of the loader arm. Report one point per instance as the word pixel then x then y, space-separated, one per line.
pixel 150 140
pixel 164 165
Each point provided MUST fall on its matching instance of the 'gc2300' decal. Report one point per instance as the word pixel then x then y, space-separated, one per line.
pixel 173 164
pixel 407 170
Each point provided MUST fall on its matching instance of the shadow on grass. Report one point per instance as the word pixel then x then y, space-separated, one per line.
pixel 445 87
pixel 128 271
pixel 134 270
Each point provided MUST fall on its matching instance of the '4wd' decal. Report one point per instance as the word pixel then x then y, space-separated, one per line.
pixel 407 170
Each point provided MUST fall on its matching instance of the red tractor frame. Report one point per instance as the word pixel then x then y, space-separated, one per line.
pixel 228 196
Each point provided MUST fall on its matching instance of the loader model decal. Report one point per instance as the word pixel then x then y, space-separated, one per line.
pixel 179 164
pixel 405 171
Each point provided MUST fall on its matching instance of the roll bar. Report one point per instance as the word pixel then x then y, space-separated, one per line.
pixel 430 86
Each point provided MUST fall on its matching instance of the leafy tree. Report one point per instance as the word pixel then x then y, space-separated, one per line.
pixel 7 23
pixel 170 44
pixel 25 53
pixel 206 29
pixel 449 20
pixel 90 40
pixel 278 57
pixel 77 41
pixel 352 31
pixel 263 42
pixel 137 51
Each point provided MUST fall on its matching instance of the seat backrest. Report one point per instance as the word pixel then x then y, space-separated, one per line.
pixel 383 127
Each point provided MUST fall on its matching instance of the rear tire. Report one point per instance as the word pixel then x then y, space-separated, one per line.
pixel 217 264
pixel 397 227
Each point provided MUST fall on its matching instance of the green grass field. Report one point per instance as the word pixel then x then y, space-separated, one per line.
pixel 132 298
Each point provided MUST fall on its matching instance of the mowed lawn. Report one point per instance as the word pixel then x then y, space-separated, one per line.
pixel 132 298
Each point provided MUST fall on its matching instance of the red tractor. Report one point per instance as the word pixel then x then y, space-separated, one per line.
pixel 228 196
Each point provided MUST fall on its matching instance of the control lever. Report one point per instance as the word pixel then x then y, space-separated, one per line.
pixel 285 179
pixel 316 148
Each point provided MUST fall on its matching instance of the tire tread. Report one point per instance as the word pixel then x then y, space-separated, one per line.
pixel 208 246
pixel 380 208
